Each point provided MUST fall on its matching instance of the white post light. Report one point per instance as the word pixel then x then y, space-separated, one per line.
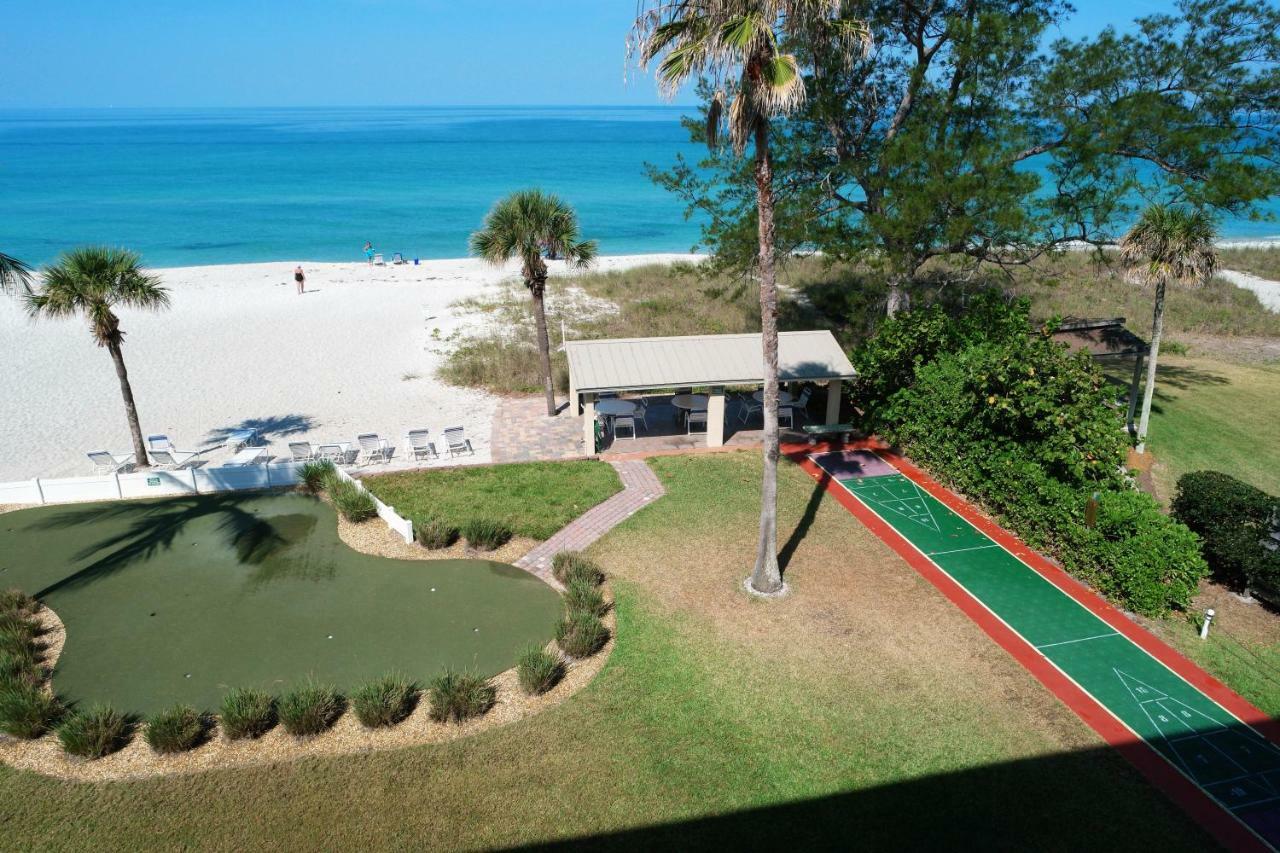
pixel 1204 626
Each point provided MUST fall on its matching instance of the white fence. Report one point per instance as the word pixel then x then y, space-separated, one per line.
pixel 400 525
pixel 149 484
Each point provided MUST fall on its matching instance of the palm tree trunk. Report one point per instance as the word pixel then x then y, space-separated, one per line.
pixel 1157 328
pixel 766 577
pixel 130 409
pixel 544 346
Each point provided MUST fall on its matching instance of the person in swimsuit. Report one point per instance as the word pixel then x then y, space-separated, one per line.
pixel 300 277
pixel 368 252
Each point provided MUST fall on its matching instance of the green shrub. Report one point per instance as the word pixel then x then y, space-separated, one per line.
pixel 434 533
pixel 568 566
pixel 247 713
pixel 315 475
pixel 99 731
pixel 17 601
pixel 485 533
pixel 384 701
pixel 176 729
pixel 581 594
pixel 539 670
pixel 26 710
pixel 354 503
pixel 581 634
pixel 17 630
pixel 310 709
pixel 1235 520
pixel 18 661
pixel 457 696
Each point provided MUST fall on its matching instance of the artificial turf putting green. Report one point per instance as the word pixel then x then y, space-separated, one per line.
pixel 178 600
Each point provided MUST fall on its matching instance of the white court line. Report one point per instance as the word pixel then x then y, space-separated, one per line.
pixel 1085 639
pixel 958 550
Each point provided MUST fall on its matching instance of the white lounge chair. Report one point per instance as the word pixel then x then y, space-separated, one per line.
pixel 378 261
pixel 159 442
pixel 398 258
pixel 420 444
pixel 456 442
pixel 173 459
pixel 106 462
pixel 335 453
pixel 302 451
pixel 373 447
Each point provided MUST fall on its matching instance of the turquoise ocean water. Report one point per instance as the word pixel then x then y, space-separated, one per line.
pixel 189 187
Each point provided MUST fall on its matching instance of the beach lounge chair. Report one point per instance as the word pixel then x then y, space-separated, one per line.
pixel 378 261
pixel 106 462
pixel 302 451
pixel 398 258
pixel 373 447
pixel 457 442
pixel 159 442
pixel 420 445
pixel 335 453
pixel 173 459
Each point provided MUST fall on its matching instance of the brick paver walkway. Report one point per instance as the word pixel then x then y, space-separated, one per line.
pixel 522 432
pixel 640 487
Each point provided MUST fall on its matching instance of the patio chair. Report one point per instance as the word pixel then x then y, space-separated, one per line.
pixel 173 459
pixel 302 451
pixel 697 416
pixel 420 445
pixel 373 447
pixel 799 406
pixel 106 462
pixel 334 453
pixel 787 413
pixel 159 442
pixel 398 258
pixel 748 406
pixel 624 422
pixel 456 442
pixel 378 261
pixel 642 409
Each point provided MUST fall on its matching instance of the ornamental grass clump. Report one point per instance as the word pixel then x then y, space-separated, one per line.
pixel 315 475
pixel 247 713
pixel 568 566
pixel 354 503
pixel 310 709
pixel 176 729
pixel 17 631
pixel 434 533
pixel 27 711
pixel 539 670
pixel 581 634
pixel 485 534
pixel 98 731
pixel 581 594
pixel 384 701
pixel 457 696
pixel 17 601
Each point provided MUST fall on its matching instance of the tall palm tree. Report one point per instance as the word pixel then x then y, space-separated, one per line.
pixel 525 225
pixel 13 273
pixel 91 282
pixel 736 46
pixel 1167 244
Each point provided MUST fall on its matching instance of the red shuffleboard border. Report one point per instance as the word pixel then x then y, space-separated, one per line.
pixel 1228 829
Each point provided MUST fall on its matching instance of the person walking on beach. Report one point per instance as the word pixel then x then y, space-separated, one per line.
pixel 368 252
pixel 300 277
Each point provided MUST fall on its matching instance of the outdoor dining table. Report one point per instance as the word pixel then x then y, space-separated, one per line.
pixel 613 406
pixel 690 402
pixel 784 397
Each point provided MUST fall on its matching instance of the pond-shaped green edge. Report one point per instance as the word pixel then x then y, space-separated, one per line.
pixel 178 600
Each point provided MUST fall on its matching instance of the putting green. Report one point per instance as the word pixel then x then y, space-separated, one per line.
pixel 1230 761
pixel 178 600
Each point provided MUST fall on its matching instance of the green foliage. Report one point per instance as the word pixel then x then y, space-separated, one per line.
pixel 26 710
pixel 176 729
pixel 19 666
pixel 1011 418
pixel 384 701
pixel 457 696
pixel 351 501
pixel 486 533
pixel 539 670
pixel 582 594
pixel 17 631
pixel 434 533
pixel 310 709
pixel 315 475
pixel 17 601
pixel 570 566
pixel 1234 519
pixel 581 634
pixel 247 713
pixel 95 732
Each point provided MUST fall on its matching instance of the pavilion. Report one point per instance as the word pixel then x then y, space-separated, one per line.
pixel 713 362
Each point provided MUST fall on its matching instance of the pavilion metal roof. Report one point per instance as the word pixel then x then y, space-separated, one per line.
pixel 634 364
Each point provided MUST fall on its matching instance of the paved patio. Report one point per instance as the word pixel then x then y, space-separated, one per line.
pixel 522 432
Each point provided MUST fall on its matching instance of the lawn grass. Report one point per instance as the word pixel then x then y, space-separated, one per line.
pixel 534 499
pixel 862 706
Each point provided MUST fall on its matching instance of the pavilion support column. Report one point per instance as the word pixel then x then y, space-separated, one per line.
pixel 833 401
pixel 575 405
pixel 715 418
pixel 1133 393
pixel 589 422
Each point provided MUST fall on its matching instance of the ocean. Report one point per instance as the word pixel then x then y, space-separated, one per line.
pixel 188 186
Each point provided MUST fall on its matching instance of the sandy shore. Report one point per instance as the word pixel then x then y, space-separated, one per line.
pixel 239 347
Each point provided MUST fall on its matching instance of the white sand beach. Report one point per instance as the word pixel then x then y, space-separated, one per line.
pixel 356 353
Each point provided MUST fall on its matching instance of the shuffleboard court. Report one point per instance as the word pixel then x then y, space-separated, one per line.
pixel 1229 760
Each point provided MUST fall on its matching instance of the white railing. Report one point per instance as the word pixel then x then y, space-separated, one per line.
pixel 149 484
pixel 394 520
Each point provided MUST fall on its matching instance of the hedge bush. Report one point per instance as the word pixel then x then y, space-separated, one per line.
pixel 539 670
pixel 486 534
pixel 457 696
pixel 176 729
pixel 247 713
pixel 1235 520
pixel 568 566
pixel 27 711
pixel 310 709
pixel 581 634
pixel 384 701
pixel 434 533
pixel 98 731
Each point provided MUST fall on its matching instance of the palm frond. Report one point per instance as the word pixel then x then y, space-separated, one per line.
pixel 92 281
pixel 14 274
pixel 1170 244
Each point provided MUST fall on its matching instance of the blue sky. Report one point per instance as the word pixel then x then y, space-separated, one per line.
pixel 96 53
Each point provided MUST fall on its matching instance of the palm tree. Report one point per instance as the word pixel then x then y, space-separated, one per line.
pixel 734 45
pixel 92 281
pixel 1167 244
pixel 525 225
pixel 13 272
